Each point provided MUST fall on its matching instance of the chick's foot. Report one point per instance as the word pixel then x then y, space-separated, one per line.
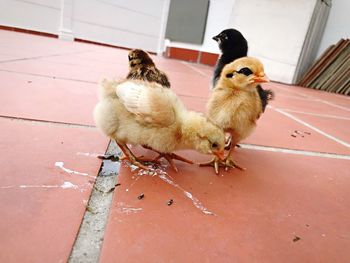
pixel 128 155
pixel 215 162
pixel 141 159
pixel 170 157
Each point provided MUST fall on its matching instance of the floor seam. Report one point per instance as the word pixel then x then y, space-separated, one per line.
pixel 316 114
pixel 333 138
pixel 36 121
pixel 88 244
pixel 295 151
pixel 40 57
pixel 47 76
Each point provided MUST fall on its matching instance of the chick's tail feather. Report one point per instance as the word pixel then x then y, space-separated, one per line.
pixel 265 95
pixel 106 88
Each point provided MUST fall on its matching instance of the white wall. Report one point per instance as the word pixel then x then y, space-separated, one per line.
pixel 275 31
pixel 125 23
pixel 338 24
pixel 37 15
pixel 219 15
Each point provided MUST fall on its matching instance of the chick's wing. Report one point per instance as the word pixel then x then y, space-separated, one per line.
pixel 151 104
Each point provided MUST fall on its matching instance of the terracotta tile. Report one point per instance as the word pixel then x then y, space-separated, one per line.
pixel 190 84
pixel 259 213
pixel 47 99
pixel 312 94
pixel 308 105
pixel 338 128
pixel 51 69
pixel 17 43
pixel 39 223
pixel 5 57
pixel 275 129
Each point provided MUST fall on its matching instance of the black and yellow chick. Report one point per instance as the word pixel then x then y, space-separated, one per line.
pixel 233 45
pixel 142 67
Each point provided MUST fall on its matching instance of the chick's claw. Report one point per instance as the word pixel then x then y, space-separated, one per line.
pixel 137 163
pixel 229 163
pixel 215 162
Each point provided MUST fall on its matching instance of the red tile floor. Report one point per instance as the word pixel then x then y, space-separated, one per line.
pixel 292 204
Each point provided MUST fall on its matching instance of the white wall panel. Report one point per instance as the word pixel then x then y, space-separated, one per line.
pixel 132 24
pixel 125 23
pixel 218 19
pixel 275 31
pixel 37 15
pixel 338 25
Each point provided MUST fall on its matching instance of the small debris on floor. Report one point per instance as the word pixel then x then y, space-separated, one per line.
pixel 141 196
pixel 29 81
pixel 307 225
pixel 88 208
pixel 112 157
pixel 296 238
pixel 297 133
pixel 170 202
pixel 118 184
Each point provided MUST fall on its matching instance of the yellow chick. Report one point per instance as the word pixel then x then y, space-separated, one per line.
pixel 144 113
pixel 235 105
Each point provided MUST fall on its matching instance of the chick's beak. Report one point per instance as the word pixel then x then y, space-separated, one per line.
pixel 219 154
pixel 216 38
pixel 259 79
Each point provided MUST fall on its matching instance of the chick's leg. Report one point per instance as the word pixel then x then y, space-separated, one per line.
pixel 170 157
pixel 130 156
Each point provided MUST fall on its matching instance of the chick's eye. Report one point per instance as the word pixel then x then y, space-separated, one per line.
pixel 245 71
pixel 214 145
pixel 229 75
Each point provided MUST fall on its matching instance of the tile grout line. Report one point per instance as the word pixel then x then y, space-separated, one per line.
pixel 40 57
pixel 194 68
pixel 318 115
pixel 317 99
pixel 73 125
pixel 89 240
pixel 46 76
pixel 333 104
pixel 312 127
pixel 292 151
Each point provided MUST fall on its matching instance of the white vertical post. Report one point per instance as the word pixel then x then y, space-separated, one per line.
pixel 65 30
pixel 163 24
